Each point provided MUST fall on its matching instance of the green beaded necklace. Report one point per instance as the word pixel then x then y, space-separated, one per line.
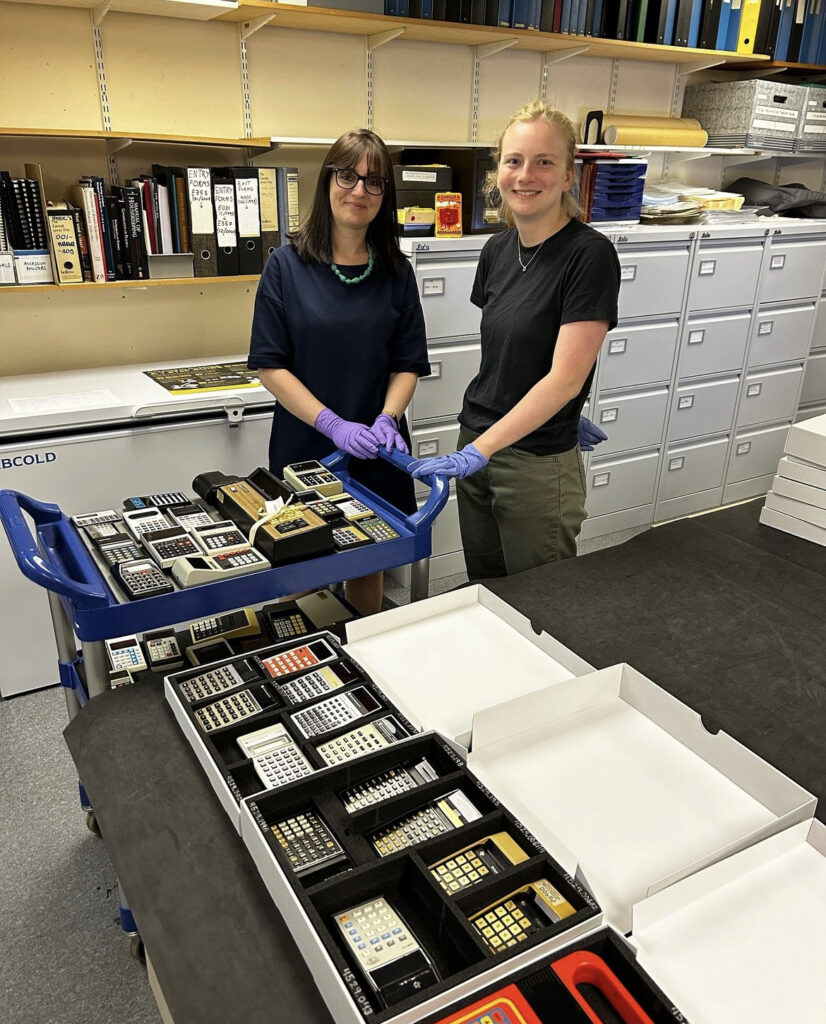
pixel 361 277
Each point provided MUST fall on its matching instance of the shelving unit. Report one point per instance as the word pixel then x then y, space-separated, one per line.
pixel 120 140
pixel 185 282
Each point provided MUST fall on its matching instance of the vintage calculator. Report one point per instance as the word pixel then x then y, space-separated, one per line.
pixel 386 784
pixel 326 510
pixel 477 862
pixel 387 953
pixel 161 500
pixel 378 530
pixel 307 842
pixel 167 545
pixel 434 819
pixel 144 520
pixel 353 510
pixel 235 707
pixel 335 712
pixel 141 578
pixel 220 679
pixel 505 1006
pixel 192 570
pixel 285 622
pixel 346 537
pixel 125 654
pixel 362 740
pixel 275 756
pixel 223 536
pixel 299 658
pixel 311 474
pixel 102 531
pixel 162 649
pixel 87 519
pixel 520 915
pixel 317 683
pixel 119 548
pixel 231 625
pixel 190 515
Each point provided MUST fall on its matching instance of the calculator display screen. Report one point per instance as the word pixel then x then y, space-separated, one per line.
pixel 319 649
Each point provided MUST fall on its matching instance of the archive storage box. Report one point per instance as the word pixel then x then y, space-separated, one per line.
pixel 763 114
pixel 811 132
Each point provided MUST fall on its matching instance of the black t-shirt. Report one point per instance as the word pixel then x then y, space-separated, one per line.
pixel 574 276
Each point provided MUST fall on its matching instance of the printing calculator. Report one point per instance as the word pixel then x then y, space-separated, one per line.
pixel 141 578
pixel 235 707
pixel 317 683
pixel 520 915
pixel 224 536
pixel 311 474
pixel 392 782
pixel 434 819
pixel 298 658
pixel 477 862
pixel 307 842
pixel 220 679
pixel 362 740
pixel 275 756
pixel 339 710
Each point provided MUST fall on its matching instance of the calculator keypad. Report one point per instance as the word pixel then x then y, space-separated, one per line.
pixel 378 530
pixel 280 766
pixel 328 715
pixel 349 537
pixel 142 579
pixel 293 660
pixel 306 841
pixel 217 680
pixel 375 934
pixel 312 684
pixel 101 531
pixel 123 549
pixel 289 625
pixel 426 823
pixel 464 870
pixel 175 547
pixel 222 539
pixel 372 736
pixel 234 559
pixel 384 786
pixel 227 711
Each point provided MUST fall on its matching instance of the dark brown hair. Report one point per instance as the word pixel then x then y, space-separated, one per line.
pixel 314 241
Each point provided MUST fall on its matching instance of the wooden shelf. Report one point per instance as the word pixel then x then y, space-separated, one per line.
pixel 150 283
pixel 817 71
pixel 189 10
pixel 122 139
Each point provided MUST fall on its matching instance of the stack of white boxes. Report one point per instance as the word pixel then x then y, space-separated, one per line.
pixel 796 502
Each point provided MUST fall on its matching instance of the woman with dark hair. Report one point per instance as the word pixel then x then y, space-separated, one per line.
pixel 338 334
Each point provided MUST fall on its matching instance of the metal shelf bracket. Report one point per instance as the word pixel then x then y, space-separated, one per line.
pixel 488 49
pixel 116 145
pixel 683 70
pixel 380 38
pixel 249 28
pixel 555 56
pixel 100 12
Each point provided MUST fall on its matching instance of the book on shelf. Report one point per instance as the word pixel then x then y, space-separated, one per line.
pixel 85 199
pixel 226 225
pixel 268 198
pixel 66 246
pixel 287 194
pixel 201 221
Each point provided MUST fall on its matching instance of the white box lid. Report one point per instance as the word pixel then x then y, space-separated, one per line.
pixel 744 942
pixel 807 441
pixel 443 659
pixel 621 783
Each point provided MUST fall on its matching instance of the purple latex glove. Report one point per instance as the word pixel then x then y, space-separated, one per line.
pixel 457 464
pixel 354 438
pixel 588 434
pixel 386 432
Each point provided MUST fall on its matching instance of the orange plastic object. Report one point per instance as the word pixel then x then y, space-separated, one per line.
pixel 507 1006
pixel 583 968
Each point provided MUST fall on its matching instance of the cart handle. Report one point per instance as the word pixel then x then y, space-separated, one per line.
pixel 85 593
pixel 439 486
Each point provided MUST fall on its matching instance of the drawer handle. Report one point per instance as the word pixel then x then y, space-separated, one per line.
pixel 753 390
pixel 778 261
pixel 766 327
pixel 743 448
pixel 696 337
pixel 435 372
pixel 426 449
pixel 609 415
pixel 432 286
pixel 676 463
pixel 616 346
pixel 628 272
pixel 685 402
pixel 707 267
pixel 600 479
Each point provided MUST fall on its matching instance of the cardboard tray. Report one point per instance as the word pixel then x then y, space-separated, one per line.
pixel 443 659
pixel 622 783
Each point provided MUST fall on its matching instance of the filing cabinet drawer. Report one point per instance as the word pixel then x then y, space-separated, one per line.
pixel 814 382
pixel 819 333
pixel 428 442
pixel 615 484
pixel 444 287
pixel 652 283
pixel 439 396
pixel 694 467
pixel 713 345
pixel 781 335
pixel 756 452
pixel 725 277
pixel 794 271
pixel 769 395
pixel 703 407
pixel 631 419
pixel 643 354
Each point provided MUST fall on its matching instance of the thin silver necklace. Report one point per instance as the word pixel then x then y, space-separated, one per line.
pixel 525 266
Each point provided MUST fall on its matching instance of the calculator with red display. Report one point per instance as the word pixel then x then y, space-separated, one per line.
pixel 298 658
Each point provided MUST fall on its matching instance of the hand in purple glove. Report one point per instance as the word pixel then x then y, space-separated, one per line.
pixel 386 432
pixel 588 434
pixel 458 464
pixel 354 438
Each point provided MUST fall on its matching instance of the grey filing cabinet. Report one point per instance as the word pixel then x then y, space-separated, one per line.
pixel 445 270
pixel 633 382
pixel 813 393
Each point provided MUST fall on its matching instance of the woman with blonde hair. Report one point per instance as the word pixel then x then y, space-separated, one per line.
pixel 547 288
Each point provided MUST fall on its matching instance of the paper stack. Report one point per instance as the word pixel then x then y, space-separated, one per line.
pixel 796 502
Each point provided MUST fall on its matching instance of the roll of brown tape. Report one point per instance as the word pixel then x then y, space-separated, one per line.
pixel 628 135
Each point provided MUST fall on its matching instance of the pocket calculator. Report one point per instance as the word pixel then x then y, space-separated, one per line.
pixel 307 842
pixel 161 500
pixel 223 536
pixel 370 736
pixel 119 548
pixel 311 474
pixel 387 784
pixel 378 530
pixel 318 682
pixel 125 654
pixel 520 915
pixel 141 578
pixel 235 707
pixel 102 531
pixel 296 659
pixel 275 756
pixel 477 862
pixel 244 622
pixel 434 819
pixel 387 953
pixel 353 510
pixel 285 623
pixel 85 519
pixel 144 520
pixel 506 1006
pixel 167 545
pixel 324 509
pixel 163 649
pixel 190 515
pixel 346 537
pixel 192 570
pixel 220 679
pixel 335 712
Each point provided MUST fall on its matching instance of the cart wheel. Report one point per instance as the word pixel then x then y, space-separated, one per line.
pixel 136 948
pixel 92 823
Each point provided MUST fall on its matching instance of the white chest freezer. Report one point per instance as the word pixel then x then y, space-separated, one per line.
pixel 87 438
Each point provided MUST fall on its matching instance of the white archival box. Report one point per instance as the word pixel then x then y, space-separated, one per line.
pixel 797 491
pixel 807 441
pixel 812 514
pixel 791 524
pixel 623 785
pixel 744 941
pixel 790 468
pixel 442 659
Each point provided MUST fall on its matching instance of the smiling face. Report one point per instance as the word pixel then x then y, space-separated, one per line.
pixel 533 172
pixel 353 208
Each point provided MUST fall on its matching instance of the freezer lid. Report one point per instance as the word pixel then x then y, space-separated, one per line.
pixel 43 403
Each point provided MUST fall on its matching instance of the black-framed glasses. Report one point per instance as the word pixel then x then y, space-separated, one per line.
pixel 374 184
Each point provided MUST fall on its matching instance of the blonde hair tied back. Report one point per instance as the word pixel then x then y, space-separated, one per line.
pixel 536 110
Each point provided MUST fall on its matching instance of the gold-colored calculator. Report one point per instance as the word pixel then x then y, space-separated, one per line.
pixel 520 915
pixel 477 862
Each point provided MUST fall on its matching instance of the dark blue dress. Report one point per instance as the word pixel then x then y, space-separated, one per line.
pixel 342 342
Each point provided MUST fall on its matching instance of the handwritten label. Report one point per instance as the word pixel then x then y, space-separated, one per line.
pixel 199 188
pixel 225 216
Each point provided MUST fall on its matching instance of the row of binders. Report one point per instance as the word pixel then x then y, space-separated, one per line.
pixel 229 218
pixel 788 30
